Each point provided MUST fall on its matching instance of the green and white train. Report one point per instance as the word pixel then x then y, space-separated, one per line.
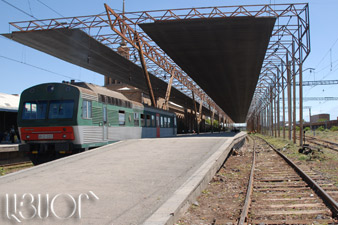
pixel 56 119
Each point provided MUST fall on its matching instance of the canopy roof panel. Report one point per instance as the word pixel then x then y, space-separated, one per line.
pixel 223 56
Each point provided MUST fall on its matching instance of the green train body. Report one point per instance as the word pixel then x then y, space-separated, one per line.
pixel 64 118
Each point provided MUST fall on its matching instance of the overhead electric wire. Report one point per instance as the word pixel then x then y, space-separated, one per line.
pixel 19 9
pixel 330 49
pixel 30 8
pixel 37 67
pixel 50 8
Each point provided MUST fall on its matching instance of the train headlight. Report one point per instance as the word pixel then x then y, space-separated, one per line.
pixel 27 136
pixel 64 136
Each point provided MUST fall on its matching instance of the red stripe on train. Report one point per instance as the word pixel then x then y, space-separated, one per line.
pixel 47 133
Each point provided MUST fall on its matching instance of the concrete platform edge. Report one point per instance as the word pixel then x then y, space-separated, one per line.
pixel 179 202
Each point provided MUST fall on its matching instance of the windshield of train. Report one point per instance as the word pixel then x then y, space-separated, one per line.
pixel 61 109
pixel 58 109
pixel 34 110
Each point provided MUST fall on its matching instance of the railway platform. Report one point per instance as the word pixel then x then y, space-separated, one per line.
pixel 144 181
pixel 9 147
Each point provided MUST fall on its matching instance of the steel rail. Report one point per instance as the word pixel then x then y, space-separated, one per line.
pixel 328 200
pixel 244 214
pixel 314 141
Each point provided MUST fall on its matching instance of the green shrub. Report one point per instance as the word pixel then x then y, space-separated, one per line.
pixel 307 129
pixel 334 128
pixel 303 157
pixel 321 128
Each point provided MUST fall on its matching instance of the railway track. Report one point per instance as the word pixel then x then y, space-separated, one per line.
pixel 322 143
pixel 281 193
pixel 13 167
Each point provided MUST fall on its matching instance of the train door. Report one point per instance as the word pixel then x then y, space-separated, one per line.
pixel 175 126
pixel 105 123
pixel 157 125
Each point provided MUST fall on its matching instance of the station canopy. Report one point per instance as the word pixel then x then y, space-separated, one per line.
pixel 224 56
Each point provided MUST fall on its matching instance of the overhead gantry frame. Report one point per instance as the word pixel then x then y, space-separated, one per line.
pixel 288 48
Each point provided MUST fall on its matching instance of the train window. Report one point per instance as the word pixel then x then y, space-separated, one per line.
pixel 161 121
pixel 61 109
pixel 169 124
pixel 148 120
pixel 165 122
pixel 142 120
pixel 34 110
pixel 136 120
pixel 101 98
pixel 174 121
pixel 122 118
pixel 153 121
pixel 86 109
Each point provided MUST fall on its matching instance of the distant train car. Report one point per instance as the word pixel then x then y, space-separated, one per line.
pixel 57 119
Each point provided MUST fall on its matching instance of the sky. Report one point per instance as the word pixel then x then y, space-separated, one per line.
pixel 22 67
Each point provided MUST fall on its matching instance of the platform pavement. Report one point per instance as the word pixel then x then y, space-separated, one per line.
pixel 136 181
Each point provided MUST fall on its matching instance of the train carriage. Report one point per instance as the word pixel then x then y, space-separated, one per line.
pixel 57 119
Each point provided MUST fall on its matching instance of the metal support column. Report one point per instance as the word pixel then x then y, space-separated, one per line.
pixel 278 107
pixel 294 92
pixel 275 100
pixel 195 107
pixel 186 126
pixel 283 97
pixel 145 71
pixel 289 96
pixel 265 120
pixel 271 111
pixel 300 104
pixel 199 115
pixel 212 120
pixel 310 119
pixel 167 94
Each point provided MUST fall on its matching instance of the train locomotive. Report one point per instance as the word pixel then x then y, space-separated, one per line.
pixel 58 119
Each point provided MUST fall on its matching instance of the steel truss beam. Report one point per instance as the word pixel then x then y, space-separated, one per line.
pixel 318 82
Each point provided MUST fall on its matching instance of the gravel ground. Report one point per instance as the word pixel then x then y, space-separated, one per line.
pixel 221 202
